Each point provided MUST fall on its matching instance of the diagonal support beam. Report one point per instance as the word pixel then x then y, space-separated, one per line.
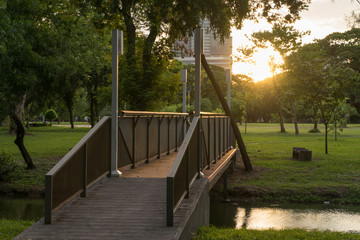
pixel 245 156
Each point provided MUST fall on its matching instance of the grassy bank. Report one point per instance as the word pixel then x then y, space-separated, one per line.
pixel 46 145
pixel 213 233
pixel 11 228
pixel 328 177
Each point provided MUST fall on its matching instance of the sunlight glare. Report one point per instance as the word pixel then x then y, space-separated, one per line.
pixel 260 69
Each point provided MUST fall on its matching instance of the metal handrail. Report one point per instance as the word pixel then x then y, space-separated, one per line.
pixel 64 162
pixel 214 141
pixel 173 203
pixel 142 113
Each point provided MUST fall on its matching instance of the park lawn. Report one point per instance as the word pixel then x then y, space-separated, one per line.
pixel 213 233
pixel 11 228
pixel 46 146
pixel 328 177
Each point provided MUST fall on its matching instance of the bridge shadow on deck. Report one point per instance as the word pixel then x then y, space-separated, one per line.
pixel 130 207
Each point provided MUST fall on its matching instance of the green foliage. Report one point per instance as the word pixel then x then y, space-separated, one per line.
pixel 50 115
pixel 7 165
pixel 9 229
pixel 314 130
pixel 172 108
pixel 214 233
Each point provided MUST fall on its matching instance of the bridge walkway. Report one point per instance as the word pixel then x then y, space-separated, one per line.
pixel 130 207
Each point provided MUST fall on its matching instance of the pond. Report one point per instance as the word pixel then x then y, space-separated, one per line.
pixel 322 217
pixel 21 207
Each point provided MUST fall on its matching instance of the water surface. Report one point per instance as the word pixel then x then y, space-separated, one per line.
pixel 286 216
pixel 20 207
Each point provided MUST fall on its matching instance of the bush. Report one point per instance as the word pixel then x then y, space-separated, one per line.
pixel 355 118
pixel 7 165
pixel 50 115
pixel 38 124
pixel 314 130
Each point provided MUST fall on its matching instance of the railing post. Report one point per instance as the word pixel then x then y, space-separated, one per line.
pixel 200 150
pixel 199 39
pixel 224 135
pixel 133 142
pixel 116 50
pixel 147 139
pixel 169 201
pixel 187 179
pixel 176 133
pixel 228 82
pixel 219 143
pixel 209 144
pixel 168 134
pixel 48 198
pixel 84 173
pixel 215 141
pixel 159 132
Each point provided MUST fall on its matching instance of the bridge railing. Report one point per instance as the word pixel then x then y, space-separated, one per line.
pixel 146 135
pixel 207 140
pixel 87 161
pixel 142 136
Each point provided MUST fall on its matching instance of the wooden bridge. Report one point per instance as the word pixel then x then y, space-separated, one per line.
pixel 168 162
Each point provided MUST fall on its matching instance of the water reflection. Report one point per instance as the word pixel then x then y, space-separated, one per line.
pixel 24 208
pixel 290 216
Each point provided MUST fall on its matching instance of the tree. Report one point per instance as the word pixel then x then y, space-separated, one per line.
pixel 321 81
pixel 147 55
pixel 285 39
pixel 50 115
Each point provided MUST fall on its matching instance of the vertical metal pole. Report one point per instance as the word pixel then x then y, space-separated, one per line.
pixel 176 132
pixel 215 139
pixel 209 141
pixel 168 134
pixel 228 83
pixel 184 81
pixel 159 132
pixel 116 43
pixel 199 39
pixel 147 139
pixel 133 142
pixel 169 201
pixel 48 198
pixel 83 194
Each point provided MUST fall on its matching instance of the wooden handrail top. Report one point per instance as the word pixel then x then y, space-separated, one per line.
pixel 143 113
pixel 212 114
pixel 76 148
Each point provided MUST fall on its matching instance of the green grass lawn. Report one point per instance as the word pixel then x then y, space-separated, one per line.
pixel 213 233
pixel 46 145
pixel 328 177
pixel 11 228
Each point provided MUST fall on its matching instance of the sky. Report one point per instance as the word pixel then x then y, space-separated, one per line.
pixel 322 18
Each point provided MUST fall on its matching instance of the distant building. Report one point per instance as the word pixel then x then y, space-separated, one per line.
pixel 216 52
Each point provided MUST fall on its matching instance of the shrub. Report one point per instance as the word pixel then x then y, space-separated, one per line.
pixel 38 124
pixel 7 165
pixel 50 115
pixel 314 130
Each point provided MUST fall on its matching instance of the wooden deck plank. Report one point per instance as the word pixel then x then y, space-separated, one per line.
pixel 130 207
pixel 120 211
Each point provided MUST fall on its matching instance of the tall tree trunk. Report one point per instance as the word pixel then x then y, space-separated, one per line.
pixel 92 109
pixel 19 113
pixel 19 141
pixel 69 107
pixel 281 119
pixel 335 124
pixel 294 116
pixel 315 109
pixel 326 138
